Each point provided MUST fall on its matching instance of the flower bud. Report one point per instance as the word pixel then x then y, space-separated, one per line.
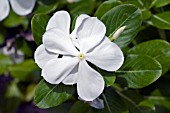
pixel 117 33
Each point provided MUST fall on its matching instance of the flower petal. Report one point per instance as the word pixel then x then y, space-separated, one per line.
pixel 72 77
pixel 56 70
pixel 42 56
pixel 57 41
pixel 79 20
pixel 90 33
pixel 61 20
pixel 4 9
pixel 22 7
pixel 90 83
pixel 107 56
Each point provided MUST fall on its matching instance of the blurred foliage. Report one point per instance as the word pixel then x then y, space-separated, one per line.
pixel 141 85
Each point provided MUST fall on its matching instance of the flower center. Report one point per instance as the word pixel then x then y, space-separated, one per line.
pixel 81 56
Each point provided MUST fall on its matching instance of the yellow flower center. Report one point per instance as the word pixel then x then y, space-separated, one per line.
pixel 81 56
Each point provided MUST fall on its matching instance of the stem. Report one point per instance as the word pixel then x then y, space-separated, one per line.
pixel 105 100
pixel 119 92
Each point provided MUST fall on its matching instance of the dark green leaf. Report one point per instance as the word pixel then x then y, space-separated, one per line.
pixel 140 71
pixel 83 6
pixel 106 6
pixel 48 95
pixel 158 49
pixel 38 26
pixel 161 20
pixel 123 15
pixel 79 107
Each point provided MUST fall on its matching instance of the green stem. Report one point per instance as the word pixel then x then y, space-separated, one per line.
pixel 105 100
pixel 119 92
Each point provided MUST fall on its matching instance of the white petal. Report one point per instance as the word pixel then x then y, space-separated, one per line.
pixel 79 20
pixel 90 83
pixel 4 9
pixel 57 41
pixel 72 77
pixel 90 33
pixel 42 56
pixel 22 7
pixel 57 69
pixel 61 20
pixel 107 56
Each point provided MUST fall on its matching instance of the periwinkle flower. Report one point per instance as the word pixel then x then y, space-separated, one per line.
pixel 73 67
pixel 20 7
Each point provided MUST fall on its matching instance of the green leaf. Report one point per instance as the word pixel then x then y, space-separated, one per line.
pixel 140 71
pixel 48 95
pixel 14 20
pixel 106 6
pixel 5 62
pixel 113 103
pixel 79 107
pixel 158 49
pixel 38 26
pixel 83 6
pixel 24 70
pixel 161 3
pixel 45 9
pixel 161 20
pixel 123 15
pixel 109 77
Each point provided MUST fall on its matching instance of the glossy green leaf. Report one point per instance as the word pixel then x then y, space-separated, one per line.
pixel 161 3
pixel 5 62
pixel 106 6
pixel 140 71
pixel 48 95
pixel 161 20
pixel 158 49
pixel 24 70
pixel 123 15
pixel 38 26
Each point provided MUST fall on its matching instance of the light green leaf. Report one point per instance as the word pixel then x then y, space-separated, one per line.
pixel 48 95
pixel 158 49
pixel 161 20
pixel 24 71
pixel 38 26
pixel 161 3
pixel 140 71
pixel 105 6
pixel 5 62
pixel 123 15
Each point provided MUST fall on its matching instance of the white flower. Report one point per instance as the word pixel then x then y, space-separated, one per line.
pixel 20 7
pixel 73 67
pixel 60 20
